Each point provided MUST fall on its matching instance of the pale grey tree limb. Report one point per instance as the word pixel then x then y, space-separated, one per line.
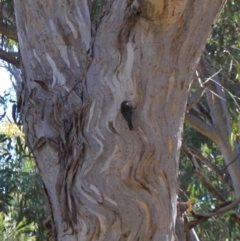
pixel 221 119
pixel 200 126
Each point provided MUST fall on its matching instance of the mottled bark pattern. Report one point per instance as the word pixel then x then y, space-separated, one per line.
pixel 103 181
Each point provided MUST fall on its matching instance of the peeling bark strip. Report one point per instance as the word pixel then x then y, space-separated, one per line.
pixel 103 181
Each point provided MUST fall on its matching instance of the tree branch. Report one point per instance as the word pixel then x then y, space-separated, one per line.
pixel 219 112
pixel 193 98
pixel 9 57
pixel 8 31
pixel 200 126
pixel 218 172
pixel 220 210
pixel 200 175
pixel 224 204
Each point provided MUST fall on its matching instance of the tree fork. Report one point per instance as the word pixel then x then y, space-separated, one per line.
pixel 103 181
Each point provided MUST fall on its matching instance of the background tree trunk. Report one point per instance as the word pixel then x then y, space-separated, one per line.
pixel 103 181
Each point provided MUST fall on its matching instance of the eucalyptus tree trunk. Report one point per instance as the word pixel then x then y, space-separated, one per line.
pixel 102 180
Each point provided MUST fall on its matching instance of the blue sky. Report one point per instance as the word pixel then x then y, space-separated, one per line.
pixel 6 87
pixel 5 83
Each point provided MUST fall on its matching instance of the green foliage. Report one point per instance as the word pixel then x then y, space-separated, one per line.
pixel 224 48
pixel 96 7
pixel 22 202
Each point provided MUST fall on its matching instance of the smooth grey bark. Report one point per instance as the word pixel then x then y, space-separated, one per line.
pixel 217 101
pixel 220 130
pixel 103 181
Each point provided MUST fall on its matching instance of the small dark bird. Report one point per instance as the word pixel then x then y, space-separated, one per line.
pixel 127 112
